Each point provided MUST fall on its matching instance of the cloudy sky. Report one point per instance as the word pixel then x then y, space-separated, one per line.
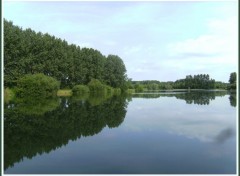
pixel 162 40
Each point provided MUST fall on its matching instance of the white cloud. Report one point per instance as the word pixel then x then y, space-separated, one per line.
pixel 215 51
pixel 218 46
pixel 132 50
pixel 110 43
pixel 139 31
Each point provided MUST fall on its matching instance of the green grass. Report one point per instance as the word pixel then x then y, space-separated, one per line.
pixel 8 95
pixel 64 93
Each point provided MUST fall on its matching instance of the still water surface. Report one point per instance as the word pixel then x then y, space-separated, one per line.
pixel 160 133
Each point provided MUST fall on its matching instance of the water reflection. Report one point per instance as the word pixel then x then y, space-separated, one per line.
pixel 161 134
pixel 224 135
pixel 233 99
pixel 212 124
pixel 196 97
pixel 36 128
pixel 32 106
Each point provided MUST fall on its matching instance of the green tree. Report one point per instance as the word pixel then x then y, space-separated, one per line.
pixel 233 80
pixel 95 86
pixel 200 81
pixel 139 88
pixel 115 72
pixel 37 86
pixel 28 52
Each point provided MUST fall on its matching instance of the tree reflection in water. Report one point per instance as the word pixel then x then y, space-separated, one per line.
pixel 196 97
pixel 233 99
pixel 34 127
pixel 37 127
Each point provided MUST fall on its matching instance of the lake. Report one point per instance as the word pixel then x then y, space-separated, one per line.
pixel 145 133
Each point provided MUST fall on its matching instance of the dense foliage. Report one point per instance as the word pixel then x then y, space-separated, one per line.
pixel 37 85
pixel 200 81
pixel 28 52
pixel 95 86
pixel 138 87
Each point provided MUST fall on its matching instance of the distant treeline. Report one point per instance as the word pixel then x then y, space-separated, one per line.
pixel 29 52
pixel 200 81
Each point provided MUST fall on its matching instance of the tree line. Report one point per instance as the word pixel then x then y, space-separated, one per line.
pixel 200 81
pixel 30 52
pixel 34 57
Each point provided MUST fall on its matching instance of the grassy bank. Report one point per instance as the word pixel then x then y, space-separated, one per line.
pixel 8 95
pixel 64 93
